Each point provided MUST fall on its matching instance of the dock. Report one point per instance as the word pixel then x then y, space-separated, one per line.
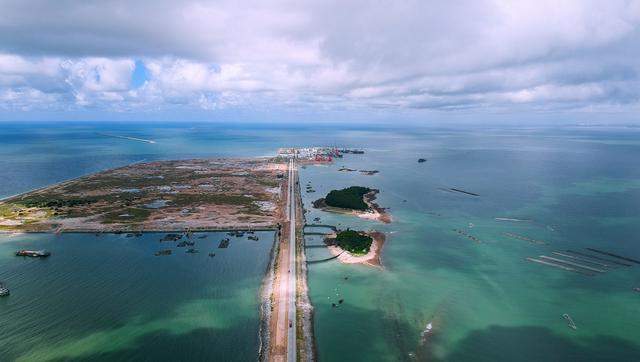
pixel 323 260
pixel 333 228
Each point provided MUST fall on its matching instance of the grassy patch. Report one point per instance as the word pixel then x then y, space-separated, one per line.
pixel 53 202
pixel 8 211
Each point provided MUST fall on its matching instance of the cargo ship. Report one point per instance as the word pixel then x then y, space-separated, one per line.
pixel 33 253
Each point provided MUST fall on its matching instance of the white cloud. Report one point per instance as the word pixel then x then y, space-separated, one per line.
pixel 326 55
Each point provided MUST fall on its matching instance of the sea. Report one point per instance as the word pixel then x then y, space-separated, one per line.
pixel 455 261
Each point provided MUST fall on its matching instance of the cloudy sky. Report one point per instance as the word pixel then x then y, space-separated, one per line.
pixel 320 60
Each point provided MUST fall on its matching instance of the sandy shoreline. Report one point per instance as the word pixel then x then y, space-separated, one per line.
pixel 376 212
pixel 372 258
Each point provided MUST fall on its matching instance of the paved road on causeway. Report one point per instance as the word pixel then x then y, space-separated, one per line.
pixel 291 338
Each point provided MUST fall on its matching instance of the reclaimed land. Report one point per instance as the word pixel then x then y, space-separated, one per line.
pixel 199 194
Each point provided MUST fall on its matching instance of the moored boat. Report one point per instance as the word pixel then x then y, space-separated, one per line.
pixel 33 253
pixel 4 291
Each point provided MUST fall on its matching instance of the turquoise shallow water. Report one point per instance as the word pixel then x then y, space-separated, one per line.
pixel 579 187
pixel 485 301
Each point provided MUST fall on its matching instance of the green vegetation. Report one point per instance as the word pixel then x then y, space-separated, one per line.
pixel 8 211
pixel 349 198
pixel 42 202
pixel 354 242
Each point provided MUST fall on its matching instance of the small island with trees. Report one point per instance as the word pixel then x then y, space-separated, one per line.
pixel 357 200
pixel 356 247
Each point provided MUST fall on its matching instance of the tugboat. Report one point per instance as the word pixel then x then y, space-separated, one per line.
pixel 33 253
pixel 4 291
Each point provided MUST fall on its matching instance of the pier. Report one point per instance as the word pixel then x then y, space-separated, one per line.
pixel 320 226
pixel 323 260
pixel 317 234
pixel 312 246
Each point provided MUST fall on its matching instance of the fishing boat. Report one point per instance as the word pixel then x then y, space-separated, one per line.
pixel 428 329
pixel 33 253
pixel 570 322
pixel 224 243
pixel 4 291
